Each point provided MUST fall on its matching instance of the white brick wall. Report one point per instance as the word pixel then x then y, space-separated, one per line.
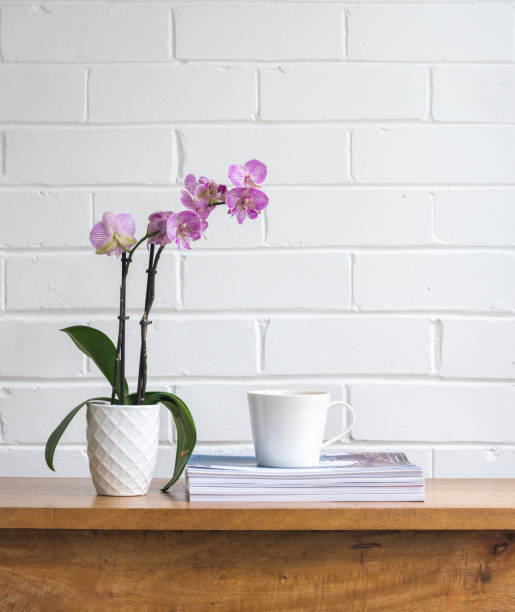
pixel 383 269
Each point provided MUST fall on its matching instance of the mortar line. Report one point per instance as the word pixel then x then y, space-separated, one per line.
pixel 216 314
pixel 335 378
pixel 417 123
pixel 2 57
pixel 173 35
pixel 346 31
pixel 87 110
pixel 350 156
pixel 4 155
pixel 430 94
pixel 352 267
pixel 257 82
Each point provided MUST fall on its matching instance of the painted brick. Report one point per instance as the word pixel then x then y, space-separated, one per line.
pixel 203 347
pixel 83 281
pixel 474 462
pixel 423 281
pixel 37 349
pixel 70 461
pixel 456 32
pixel 224 231
pixel 30 414
pixel 441 154
pixel 119 112
pixel 474 93
pixel 343 92
pixel 25 462
pixel 434 412
pixel 364 217
pixel 81 33
pixel 46 219
pixel 92 156
pixel 482 348
pixel 42 93
pixel 171 93
pixel 186 346
pixel 221 411
pixel 475 217
pixel 259 32
pixel 352 345
pixel 293 154
pixel 268 280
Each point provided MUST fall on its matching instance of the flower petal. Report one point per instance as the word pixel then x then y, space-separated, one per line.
pixel 125 242
pixel 108 247
pixel 171 226
pixel 259 198
pixel 187 200
pixel 109 221
pixel 202 193
pixel 189 182
pixel 237 175
pixel 234 196
pixel 99 235
pixel 241 213
pixel 125 224
pixel 256 169
pixel 191 220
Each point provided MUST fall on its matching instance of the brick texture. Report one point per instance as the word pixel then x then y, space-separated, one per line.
pixel 382 270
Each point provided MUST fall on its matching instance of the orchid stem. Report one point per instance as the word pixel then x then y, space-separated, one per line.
pixel 149 301
pixel 119 362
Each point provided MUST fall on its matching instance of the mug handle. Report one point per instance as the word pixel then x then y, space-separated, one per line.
pixel 349 426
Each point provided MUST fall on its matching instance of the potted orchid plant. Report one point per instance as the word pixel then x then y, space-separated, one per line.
pixel 123 428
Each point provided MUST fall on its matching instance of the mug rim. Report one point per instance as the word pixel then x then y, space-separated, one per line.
pixel 287 392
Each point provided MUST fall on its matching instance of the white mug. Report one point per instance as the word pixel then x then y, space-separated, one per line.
pixel 288 426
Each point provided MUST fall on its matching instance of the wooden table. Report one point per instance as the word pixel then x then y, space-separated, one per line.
pixel 64 548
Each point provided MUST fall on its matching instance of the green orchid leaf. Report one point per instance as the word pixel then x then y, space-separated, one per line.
pixel 186 432
pixel 98 347
pixel 56 435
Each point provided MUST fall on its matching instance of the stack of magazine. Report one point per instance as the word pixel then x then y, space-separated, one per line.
pixel 338 477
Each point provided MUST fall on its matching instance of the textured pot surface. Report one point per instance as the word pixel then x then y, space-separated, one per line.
pixel 122 447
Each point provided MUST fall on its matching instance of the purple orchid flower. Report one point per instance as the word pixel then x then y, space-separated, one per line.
pixel 200 195
pixel 251 174
pixel 157 222
pixel 209 191
pixel 245 200
pixel 114 234
pixel 183 227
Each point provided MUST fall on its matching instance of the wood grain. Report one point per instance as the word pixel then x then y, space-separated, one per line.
pixel 260 572
pixel 55 503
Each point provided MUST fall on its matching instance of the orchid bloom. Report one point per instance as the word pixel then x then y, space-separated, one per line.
pixel 252 174
pixel 245 203
pixel 183 227
pixel 199 195
pixel 208 190
pixel 245 200
pixel 157 223
pixel 114 234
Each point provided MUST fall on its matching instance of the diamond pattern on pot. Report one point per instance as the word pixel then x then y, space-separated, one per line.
pixel 122 447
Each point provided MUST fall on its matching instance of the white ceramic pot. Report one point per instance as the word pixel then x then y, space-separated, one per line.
pixel 122 447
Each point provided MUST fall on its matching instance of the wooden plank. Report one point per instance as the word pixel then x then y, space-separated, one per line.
pixel 72 504
pixel 259 572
